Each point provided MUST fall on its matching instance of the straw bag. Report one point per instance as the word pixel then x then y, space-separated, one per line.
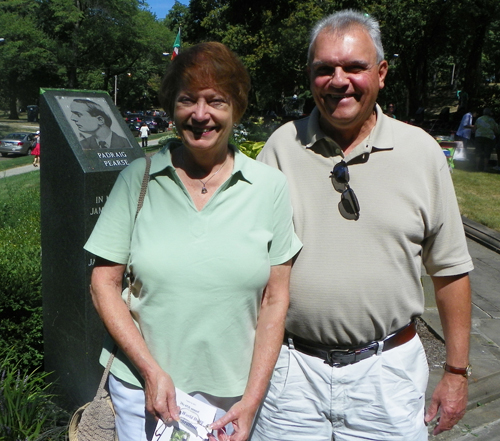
pixel 95 421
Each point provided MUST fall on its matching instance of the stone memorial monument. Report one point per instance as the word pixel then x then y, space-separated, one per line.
pixel 85 143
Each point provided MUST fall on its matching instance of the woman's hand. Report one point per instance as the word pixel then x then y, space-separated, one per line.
pixel 160 396
pixel 241 415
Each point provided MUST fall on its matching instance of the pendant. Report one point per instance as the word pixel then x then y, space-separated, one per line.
pixel 204 190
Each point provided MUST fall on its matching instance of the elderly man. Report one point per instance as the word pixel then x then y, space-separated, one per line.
pixel 373 201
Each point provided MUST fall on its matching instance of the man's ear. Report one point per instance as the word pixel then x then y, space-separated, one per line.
pixel 383 68
pixel 100 119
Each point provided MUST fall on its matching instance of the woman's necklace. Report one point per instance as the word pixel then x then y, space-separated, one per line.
pixel 204 188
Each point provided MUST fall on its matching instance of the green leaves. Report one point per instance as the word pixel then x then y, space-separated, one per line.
pixel 26 408
pixel 21 326
pixel 251 148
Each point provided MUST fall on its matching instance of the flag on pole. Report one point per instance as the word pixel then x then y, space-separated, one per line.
pixel 177 44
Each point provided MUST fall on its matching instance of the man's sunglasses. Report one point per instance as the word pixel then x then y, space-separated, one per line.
pixel 348 205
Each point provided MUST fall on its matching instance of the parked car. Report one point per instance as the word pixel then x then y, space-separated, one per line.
pixel 135 127
pixel 18 142
pixel 156 124
pixel 134 117
pixel 160 113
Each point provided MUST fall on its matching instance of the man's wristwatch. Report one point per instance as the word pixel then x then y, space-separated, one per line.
pixel 464 372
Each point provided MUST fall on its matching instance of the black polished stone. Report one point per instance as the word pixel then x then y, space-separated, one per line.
pixel 74 185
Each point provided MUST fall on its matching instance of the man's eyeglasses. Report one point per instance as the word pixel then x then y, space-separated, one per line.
pixel 348 205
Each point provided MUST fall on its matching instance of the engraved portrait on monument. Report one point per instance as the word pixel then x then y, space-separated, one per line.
pixel 93 123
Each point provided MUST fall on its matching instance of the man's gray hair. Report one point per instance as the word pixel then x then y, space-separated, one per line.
pixel 343 21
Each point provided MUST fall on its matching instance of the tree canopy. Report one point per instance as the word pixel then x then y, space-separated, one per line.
pixel 118 46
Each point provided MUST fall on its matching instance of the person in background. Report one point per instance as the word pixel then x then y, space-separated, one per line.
pixel 486 129
pixel 210 253
pixel 464 131
pixel 36 151
pixel 390 111
pixel 372 201
pixel 497 147
pixel 144 132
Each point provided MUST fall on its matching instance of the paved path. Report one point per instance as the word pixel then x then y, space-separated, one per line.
pixel 482 421
pixel 18 171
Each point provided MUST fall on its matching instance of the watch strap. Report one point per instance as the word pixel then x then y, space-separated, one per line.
pixel 464 372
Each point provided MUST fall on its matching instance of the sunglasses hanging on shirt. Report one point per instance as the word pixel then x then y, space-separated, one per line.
pixel 348 205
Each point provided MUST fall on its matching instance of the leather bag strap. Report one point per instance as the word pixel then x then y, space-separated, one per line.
pixel 144 188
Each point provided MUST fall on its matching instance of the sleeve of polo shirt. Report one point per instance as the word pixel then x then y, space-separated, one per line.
pixel 285 243
pixel 112 233
pixel 445 250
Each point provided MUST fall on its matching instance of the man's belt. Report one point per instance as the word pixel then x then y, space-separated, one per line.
pixel 340 356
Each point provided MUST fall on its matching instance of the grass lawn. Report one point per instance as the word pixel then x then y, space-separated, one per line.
pixel 14 185
pixel 13 162
pixel 478 196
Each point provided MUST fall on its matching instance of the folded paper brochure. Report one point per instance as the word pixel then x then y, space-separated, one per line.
pixel 195 417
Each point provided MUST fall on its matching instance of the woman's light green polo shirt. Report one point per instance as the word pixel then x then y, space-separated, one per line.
pixel 199 275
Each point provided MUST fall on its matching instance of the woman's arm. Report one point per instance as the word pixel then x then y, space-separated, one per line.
pixel 268 341
pixel 106 287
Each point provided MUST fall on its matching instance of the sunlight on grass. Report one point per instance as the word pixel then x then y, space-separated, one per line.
pixel 478 196
pixel 13 162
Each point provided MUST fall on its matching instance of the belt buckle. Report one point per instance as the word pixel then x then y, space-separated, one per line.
pixel 331 359
pixel 351 355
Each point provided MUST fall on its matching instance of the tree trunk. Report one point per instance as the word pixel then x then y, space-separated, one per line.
pixel 415 78
pixel 13 108
pixel 72 77
pixel 473 70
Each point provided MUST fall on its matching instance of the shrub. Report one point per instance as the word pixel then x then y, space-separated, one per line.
pixel 169 135
pixel 21 325
pixel 251 148
pixel 26 408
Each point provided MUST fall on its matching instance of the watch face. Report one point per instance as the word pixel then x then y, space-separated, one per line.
pixel 468 371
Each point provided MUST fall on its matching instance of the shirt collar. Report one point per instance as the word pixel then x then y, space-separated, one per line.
pixel 381 137
pixel 162 161
pixel 108 140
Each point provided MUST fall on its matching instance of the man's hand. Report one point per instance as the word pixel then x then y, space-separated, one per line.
pixel 241 415
pixel 450 399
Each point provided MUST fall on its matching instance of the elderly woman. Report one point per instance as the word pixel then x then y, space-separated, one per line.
pixel 210 253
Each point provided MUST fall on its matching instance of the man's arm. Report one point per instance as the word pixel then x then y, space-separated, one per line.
pixel 453 298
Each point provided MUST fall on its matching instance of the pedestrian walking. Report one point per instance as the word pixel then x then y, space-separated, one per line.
pixel 36 151
pixel 144 134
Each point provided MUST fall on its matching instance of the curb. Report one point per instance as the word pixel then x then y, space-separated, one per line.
pixel 481 234
pixel 18 171
pixel 484 390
